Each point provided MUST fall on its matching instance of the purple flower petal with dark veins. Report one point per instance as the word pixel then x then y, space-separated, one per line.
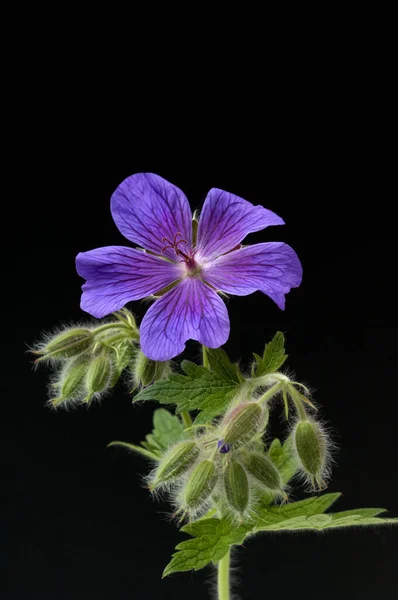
pixel 116 275
pixel 273 268
pixel 147 208
pixel 191 310
pixel 226 220
pixel 156 215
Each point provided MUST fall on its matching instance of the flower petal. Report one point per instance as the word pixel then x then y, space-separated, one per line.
pixel 273 268
pixel 191 310
pixel 116 275
pixel 226 220
pixel 147 208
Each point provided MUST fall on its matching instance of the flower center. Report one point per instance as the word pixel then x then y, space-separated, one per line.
pixel 187 254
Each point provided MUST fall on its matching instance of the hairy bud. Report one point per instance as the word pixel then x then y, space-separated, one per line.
pixel 67 344
pixel 176 462
pixel 264 471
pixel 236 486
pixel 147 371
pixel 99 375
pixel 71 384
pixel 242 423
pixel 200 485
pixel 310 442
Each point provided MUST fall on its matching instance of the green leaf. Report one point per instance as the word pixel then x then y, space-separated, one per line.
pixel 284 458
pixel 308 507
pixel 220 364
pixel 212 537
pixel 308 514
pixel 321 522
pixel 167 430
pixel 199 389
pixel 273 357
pixel 211 540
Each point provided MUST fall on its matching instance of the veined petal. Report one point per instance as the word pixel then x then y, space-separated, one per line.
pixel 191 310
pixel 116 275
pixel 147 208
pixel 273 268
pixel 226 220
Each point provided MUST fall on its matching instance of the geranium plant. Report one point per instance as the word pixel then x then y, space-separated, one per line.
pixel 207 451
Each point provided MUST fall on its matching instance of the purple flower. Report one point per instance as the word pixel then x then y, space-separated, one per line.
pixel 155 215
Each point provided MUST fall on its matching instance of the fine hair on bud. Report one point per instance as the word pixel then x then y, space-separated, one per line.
pixel 263 471
pixel 146 371
pixel 69 384
pixel 196 492
pixel 99 376
pixel 312 447
pixel 236 488
pixel 65 344
pixel 174 464
pixel 242 423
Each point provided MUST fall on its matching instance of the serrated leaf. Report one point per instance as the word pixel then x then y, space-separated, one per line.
pixel 308 507
pixel 199 389
pixel 308 514
pixel 167 430
pixel 211 540
pixel 273 357
pixel 220 364
pixel 322 522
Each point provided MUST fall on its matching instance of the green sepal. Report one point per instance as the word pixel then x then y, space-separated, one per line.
pixel 273 357
pixel 199 389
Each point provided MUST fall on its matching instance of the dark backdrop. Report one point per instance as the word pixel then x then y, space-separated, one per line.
pixel 81 525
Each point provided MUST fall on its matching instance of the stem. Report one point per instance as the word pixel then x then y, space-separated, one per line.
pixel 114 325
pixel 186 419
pixel 271 392
pixel 205 357
pixel 223 577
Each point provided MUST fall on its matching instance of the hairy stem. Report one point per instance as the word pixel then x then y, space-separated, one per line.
pixel 186 419
pixel 223 577
pixel 205 357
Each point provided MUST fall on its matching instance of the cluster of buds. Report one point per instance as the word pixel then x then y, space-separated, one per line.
pixel 89 360
pixel 226 465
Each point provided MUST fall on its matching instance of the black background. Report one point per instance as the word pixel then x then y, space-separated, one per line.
pixel 81 524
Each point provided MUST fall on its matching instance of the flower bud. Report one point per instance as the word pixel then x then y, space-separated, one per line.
pixel 71 384
pixel 99 375
pixel 67 344
pixel 311 446
pixel 264 471
pixel 147 371
pixel 200 485
pixel 242 423
pixel 176 462
pixel 123 356
pixel 236 486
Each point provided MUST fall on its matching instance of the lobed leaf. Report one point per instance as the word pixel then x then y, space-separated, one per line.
pixel 199 389
pixel 273 357
pixel 220 364
pixel 211 540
